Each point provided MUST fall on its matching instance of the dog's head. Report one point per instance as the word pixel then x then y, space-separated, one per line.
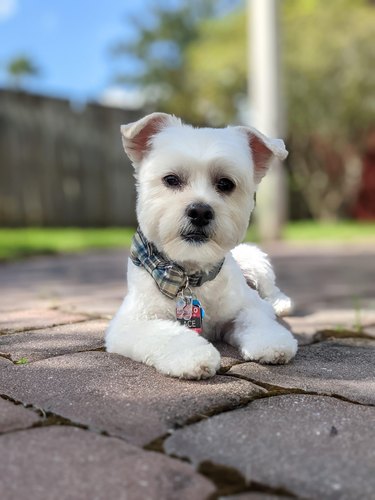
pixel 196 186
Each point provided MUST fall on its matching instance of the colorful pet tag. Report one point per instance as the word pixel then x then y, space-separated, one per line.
pixel 184 307
pixel 189 311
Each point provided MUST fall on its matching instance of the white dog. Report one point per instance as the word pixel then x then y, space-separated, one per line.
pixel 196 191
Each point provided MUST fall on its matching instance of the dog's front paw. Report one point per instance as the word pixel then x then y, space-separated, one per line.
pixel 197 362
pixel 275 347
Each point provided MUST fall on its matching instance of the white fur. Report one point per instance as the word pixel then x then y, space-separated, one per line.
pixel 257 269
pixel 145 328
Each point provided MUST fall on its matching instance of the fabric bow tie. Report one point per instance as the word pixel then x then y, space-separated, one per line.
pixel 168 276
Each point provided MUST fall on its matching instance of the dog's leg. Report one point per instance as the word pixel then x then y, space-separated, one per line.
pixel 258 271
pixel 171 348
pixel 259 337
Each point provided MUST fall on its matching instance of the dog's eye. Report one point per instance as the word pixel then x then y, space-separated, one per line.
pixel 225 185
pixel 172 181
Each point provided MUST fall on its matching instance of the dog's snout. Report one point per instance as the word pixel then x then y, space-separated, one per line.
pixel 200 214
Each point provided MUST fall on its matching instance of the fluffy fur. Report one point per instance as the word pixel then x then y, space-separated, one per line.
pixel 145 328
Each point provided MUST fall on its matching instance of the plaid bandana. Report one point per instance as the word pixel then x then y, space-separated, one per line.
pixel 169 276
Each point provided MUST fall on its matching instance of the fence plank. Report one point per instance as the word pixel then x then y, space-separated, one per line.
pixel 61 166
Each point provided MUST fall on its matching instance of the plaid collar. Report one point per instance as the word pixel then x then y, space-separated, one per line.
pixel 169 276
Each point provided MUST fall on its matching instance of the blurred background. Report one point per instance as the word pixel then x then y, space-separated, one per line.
pixel 72 72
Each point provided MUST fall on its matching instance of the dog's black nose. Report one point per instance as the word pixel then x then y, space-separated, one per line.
pixel 200 214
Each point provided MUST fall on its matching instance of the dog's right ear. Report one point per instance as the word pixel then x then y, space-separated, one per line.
pixel 136 136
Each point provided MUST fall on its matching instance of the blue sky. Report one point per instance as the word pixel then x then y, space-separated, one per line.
pixel 68 40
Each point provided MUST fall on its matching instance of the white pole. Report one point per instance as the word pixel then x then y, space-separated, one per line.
pixel 264 89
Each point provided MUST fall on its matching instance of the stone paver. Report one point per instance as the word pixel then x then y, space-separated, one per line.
pixel 318 278
pixel 105 307
pixel 254 496
pixel 326 277
pixel 70 276
pixel 14 417
pixel 112 393
pixel 64 463
pixel 4 361
pixel 284 443
pixel 334 323
pixel 341 367
pixel 13 321
pixel 312 446
pixel 229 356
pixel 55 341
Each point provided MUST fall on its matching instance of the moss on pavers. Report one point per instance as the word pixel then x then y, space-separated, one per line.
pixel 63 339
pixel 111 393
pixel 310 446
pixel 345 368
pixel 55 463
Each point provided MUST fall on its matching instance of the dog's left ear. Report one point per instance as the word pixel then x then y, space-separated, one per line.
pixel 263 149
pixel 136 136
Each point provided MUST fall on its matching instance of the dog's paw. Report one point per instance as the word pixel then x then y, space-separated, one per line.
pixel 281 303
pixel 276 347
pixel 198 362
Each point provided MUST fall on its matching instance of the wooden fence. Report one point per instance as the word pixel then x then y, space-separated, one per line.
pixel 61 166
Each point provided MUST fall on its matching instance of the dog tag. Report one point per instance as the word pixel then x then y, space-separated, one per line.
pixel 198 304
pixel 195 321
pixel 180 304
pixel 184 307
pixel 188 309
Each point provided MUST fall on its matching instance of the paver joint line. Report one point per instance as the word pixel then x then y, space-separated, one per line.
pixel 157 443
pixel 31 329
pixel 52 418
pixel 326 334
pixel 90 316
pixel 230 481
pixel 49 417
pixel 277 390
pixel 6 356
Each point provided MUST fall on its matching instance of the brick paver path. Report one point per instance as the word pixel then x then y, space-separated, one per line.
pixel 78 423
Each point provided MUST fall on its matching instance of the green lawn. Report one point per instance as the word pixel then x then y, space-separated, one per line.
pixel 23 242
pixel 342 231
pixel 311 231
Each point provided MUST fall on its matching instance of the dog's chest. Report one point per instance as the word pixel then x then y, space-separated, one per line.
pixel 221 298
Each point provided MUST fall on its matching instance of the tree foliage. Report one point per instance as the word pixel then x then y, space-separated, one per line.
pixel 159 52
pixel 195 61
pixel 19 68
pixel 329 86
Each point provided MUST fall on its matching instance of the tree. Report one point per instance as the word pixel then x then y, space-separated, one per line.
pixel 330 82
pixel 20 68
pixel 160 53
pixel 328 60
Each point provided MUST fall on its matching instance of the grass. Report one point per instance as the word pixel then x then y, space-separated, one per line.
pixel 23 242
pixel 341 231
pixel 21 361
